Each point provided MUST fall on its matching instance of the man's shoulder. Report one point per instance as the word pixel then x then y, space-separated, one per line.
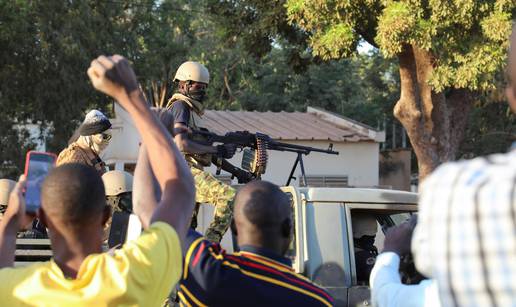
pixel 490 167
pixel 180 105
pixel 71 154
pixel 13 276
pixel 282 275
pixel 158 230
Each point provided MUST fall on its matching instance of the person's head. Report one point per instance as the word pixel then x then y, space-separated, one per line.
pixel 95 131
pixel 511 72
pixel 263 217
pixel 364 229
pixel 73 201
pixel 6 186
pixel 193 79
pixel 119 187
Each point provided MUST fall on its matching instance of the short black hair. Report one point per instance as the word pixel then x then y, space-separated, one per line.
pixel 265 204
pixel 74 193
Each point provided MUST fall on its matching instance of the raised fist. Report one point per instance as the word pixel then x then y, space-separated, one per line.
pixel 112 75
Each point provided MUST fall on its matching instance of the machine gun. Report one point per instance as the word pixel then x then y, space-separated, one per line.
pixel 255 157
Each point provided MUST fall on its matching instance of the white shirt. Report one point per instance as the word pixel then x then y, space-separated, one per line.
pixel 465 238
pixel 388 291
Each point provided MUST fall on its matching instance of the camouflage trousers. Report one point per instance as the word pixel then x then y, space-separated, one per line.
pixel 212 191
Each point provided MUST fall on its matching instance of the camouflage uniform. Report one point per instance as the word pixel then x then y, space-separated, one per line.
pixel 208 188
pixel 211 190
pixel 76 153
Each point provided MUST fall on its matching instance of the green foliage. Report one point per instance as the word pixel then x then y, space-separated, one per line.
pixel 467 37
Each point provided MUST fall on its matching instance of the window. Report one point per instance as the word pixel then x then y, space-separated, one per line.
pixel 364 223
pixel 326 181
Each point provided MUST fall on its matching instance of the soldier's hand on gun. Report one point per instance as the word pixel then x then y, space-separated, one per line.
pixel 226 151
pixel 113 76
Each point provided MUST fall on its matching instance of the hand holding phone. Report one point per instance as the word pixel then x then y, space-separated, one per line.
pixel 37 166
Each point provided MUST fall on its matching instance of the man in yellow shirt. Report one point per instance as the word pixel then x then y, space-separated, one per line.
pixel 74 210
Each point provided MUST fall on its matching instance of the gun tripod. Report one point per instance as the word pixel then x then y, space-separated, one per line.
pixel 299 160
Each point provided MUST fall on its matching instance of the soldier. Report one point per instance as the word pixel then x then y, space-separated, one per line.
pixel 94 136
pixel 6 186
pixel 187 109
pixel 119 188
pixel 364 234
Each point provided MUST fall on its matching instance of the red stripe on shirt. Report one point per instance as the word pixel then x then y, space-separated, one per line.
pixel 275 271
pixel 198 254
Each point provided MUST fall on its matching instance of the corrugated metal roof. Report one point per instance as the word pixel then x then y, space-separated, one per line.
pixel 288 125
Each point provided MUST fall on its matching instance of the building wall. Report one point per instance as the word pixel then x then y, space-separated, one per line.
pixel 358 161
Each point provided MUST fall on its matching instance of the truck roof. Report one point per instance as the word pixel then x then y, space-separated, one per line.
pixel 359 195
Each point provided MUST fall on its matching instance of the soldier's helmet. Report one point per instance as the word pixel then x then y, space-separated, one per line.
pixel 6 186
pixel 192 71
pixel 119 187
pixel 117 182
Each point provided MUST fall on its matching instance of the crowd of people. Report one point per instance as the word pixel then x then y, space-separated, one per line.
pixel 463 240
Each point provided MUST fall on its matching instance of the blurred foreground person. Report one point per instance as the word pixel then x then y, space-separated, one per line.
pixel 74 210
pixel 6 186
pixel 258 275
pixel 386 287
pixel 94 137
pixel 466 233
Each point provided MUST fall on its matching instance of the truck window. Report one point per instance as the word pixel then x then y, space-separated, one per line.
pixel 369 227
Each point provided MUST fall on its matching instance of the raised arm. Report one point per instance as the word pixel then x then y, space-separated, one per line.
pixel 115 77
pixel 14 219
pixel 146 190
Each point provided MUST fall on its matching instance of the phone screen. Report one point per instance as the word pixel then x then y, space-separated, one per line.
pixel 39 164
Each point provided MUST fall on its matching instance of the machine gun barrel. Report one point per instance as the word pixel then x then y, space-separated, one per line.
pixel 273 145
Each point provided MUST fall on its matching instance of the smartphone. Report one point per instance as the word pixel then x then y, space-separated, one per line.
pixel 37 166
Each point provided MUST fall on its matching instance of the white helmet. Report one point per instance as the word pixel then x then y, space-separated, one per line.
pixel 117 182
pixel 192 71
pixel 6 186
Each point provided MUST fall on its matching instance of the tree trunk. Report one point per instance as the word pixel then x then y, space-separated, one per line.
pixel 435 123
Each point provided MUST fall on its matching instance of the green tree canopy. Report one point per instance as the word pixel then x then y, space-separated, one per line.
pixel 448 51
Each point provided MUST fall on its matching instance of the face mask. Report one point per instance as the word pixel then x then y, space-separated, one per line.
pixel 365 242
pixel 100 141
pixel 198 95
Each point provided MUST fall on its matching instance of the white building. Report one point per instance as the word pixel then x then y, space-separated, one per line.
pixel 358 145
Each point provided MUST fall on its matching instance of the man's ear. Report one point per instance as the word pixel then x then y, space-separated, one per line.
pixel 286 228
pixel 106 215
pixel 42 217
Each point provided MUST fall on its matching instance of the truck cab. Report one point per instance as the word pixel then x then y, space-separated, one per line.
pixel 323 248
